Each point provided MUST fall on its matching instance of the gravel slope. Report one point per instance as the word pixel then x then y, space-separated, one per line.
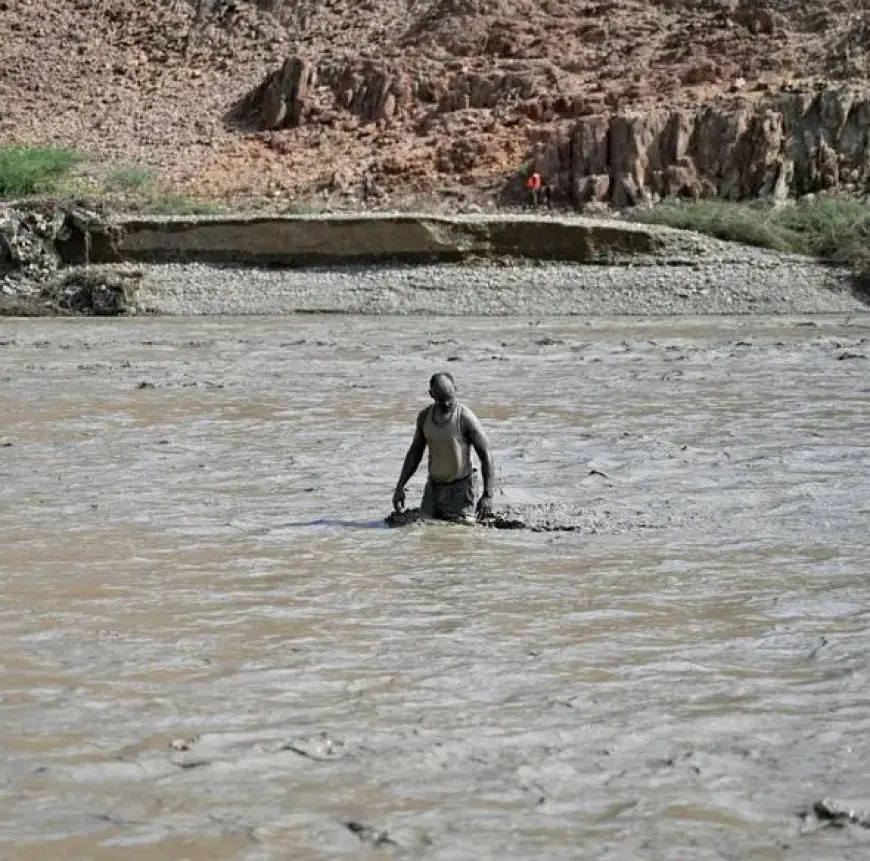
pixel 758 283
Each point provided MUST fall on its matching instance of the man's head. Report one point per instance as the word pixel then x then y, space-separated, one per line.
pixel 442 388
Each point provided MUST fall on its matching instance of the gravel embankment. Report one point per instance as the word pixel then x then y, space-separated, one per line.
pixel 687 274
pixel 749 282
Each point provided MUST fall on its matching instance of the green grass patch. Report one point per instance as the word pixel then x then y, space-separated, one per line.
pixel 67 174
pixel 131 178
pixel 26 171
pixel 831 229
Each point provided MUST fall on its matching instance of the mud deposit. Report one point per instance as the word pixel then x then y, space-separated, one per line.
pixel 563 518
pixel 211 647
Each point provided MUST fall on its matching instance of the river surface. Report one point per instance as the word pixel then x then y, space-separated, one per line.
pixel 211 649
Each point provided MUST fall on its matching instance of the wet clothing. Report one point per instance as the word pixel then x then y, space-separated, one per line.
pixel 452 501
pixel 449 450
pixel 450 489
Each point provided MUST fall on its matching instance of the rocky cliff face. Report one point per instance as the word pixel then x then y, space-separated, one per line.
pixel 348 100
pixel 786 145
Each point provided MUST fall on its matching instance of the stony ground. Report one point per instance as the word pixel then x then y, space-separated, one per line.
pixel 760 284
pixel 151 83
pixel 689 273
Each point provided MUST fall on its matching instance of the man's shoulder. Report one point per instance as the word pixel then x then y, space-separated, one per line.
pixel 467 416
pixel 422 415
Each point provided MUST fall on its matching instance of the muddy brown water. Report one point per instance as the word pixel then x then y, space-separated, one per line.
pixel 210 649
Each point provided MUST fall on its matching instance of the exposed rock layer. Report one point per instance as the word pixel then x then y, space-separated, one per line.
pixel 36 241
pixel 305 240
pixel 400 98
pixel 787 145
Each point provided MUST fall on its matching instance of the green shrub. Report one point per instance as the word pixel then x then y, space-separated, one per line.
pixel 830 228
pixel 26 171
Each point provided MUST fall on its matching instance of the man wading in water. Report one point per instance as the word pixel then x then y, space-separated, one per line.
pixel 450 430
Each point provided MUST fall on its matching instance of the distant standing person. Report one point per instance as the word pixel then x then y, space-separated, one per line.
pixel 533 186
pixel 450 430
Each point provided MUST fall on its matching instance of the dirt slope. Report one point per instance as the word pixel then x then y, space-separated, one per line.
pixel 405 97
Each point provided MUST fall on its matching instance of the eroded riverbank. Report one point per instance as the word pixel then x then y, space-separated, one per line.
pixel 74 261
pixel 208 652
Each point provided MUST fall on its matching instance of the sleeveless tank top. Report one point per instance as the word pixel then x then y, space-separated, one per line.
pixel 449 453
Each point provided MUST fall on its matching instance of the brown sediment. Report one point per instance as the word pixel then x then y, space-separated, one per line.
pixel 497 521
pixel 197 635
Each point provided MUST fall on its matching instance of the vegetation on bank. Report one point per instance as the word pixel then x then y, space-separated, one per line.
pixel 829 228
pixel 25 171
pixel 66 173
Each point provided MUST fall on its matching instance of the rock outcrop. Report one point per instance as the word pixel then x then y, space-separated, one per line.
pixel 294 94
pixel 36 240
pixel 27 252
pixel 37 236
pixel 350 104
pixel 786 145
pixel 301 92
pixel 782 145
pixel 293 240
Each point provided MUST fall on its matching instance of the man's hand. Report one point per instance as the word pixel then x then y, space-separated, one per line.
pixel 484 507
pixel 399 499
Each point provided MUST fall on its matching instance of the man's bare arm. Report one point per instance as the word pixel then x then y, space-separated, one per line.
pixel 414 455
pixel 474 433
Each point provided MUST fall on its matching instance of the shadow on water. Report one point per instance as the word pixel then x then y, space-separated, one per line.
pixel 389 522
pixel 414 516
pixel 409 517
pixel 394 519
pixel 334 521
pixel 317 523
